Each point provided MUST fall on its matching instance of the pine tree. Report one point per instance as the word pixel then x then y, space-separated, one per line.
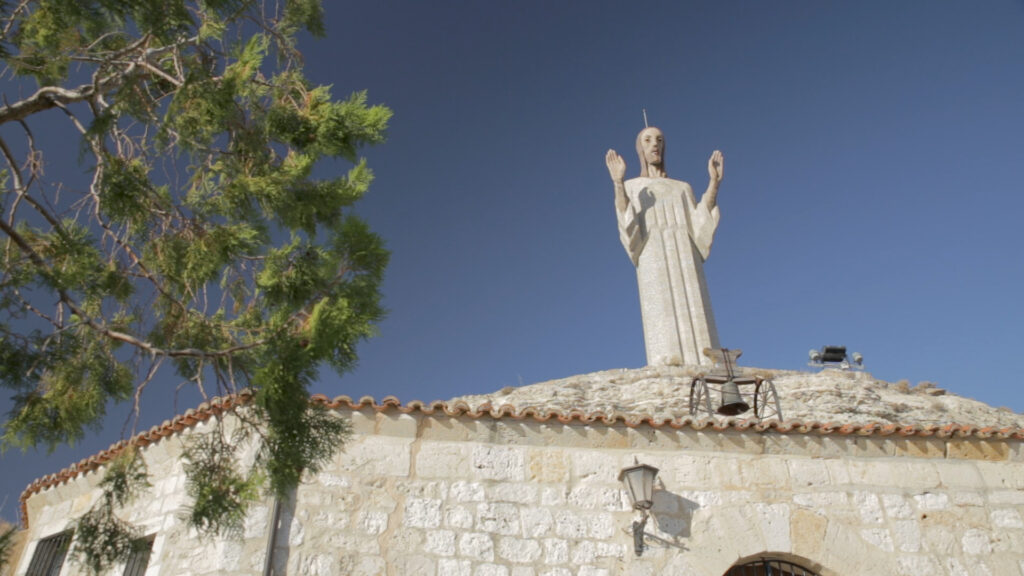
pixel 201 244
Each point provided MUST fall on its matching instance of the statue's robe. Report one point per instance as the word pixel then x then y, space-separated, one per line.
pixel 668 235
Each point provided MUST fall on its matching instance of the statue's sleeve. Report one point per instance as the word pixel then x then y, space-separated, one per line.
pixel 631 229
pixel 703 222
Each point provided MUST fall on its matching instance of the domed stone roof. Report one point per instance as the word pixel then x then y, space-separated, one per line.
pixel 831 396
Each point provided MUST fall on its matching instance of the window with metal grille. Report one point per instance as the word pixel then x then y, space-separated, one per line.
pixel 767 567
pixel 139 560
pixel 49 555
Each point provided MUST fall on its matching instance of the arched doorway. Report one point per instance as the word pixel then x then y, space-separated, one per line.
pixel 769 567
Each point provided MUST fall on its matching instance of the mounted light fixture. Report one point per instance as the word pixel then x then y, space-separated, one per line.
pixel 835 357
pixel 639 481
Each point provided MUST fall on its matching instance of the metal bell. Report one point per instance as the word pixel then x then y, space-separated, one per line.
pixel 732 401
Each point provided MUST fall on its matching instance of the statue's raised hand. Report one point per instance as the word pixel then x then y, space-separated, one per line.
pixel 716 166
pixel 616 166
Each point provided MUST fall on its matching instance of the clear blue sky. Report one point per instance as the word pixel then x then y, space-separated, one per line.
pixel 872 197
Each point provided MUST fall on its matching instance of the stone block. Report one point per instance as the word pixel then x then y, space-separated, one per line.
pixel 335 481
pixel 1016 454
pixel 740 443
pixel 612 550
pixel 964 498
pixel 476 546
pixel 872 447
pixel 808 533
pixel 611 437
pixel 548 466
pixel 954 567
pixel 1006 497
pixel 414 565
pixel 519 550
pixel 602 526
pixel 363 422
pixel 373 522
pixel 439 428
pixel 976 542
pixel 328 518
pixel 917 447
pixel 397 424
pixel 726 473
pixel 519 493
pixel 454 567
pixel 498 462
pixel 686 471
pixel 1006 518
pixel 640 568
pixel 458 517
pixel 807 472
pixel 594 466
pixel 571 526
pixel 442 460
pixel 592 497
pixel 879 538
pixel 774 522
pixel 375 456
pixel 915 566
pixel 553 496
pixel 805 445
pixel 868 506
pixel 959 474
pixel 422 513
pixel 726 532
pixel 1001 475
pixel 536 522
pixel 582 552
pixel 976 449
pixel 897 506
pixel 498 518
pixel 906 534
pixel 556 551
pixel 838 472
pixel 823 503
pixel 764 472
pixel 462 491
pixel 932 501
pixel 938 539
pixel 440 542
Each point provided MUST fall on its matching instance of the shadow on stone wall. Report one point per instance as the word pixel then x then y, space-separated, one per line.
pixel 673 517
pixel 283 534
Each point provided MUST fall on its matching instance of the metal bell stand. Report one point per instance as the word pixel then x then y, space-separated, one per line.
pixel 736 393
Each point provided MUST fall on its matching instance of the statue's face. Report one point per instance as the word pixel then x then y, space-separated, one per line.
pixel 652 143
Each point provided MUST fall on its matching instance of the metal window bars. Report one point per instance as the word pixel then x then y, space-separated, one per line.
pixel 139 560
pixel 48 558
pixel 769 567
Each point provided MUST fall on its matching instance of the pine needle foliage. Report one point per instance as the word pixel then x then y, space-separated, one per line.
pixel 207 243
pixel 220 492
pixel 8 533
pixel 104 539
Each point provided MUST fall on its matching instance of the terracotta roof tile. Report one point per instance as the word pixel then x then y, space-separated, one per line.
pixel 216 406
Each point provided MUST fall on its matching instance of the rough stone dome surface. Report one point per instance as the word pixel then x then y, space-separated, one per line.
pixel 832 396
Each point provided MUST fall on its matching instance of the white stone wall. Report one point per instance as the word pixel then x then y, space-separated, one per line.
pixel 418 495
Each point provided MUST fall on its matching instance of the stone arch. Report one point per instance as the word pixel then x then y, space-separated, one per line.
pixel 776 564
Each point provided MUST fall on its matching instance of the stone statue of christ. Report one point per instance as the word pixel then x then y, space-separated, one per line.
pixel 667 235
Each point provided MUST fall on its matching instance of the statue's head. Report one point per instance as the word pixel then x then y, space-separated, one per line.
pixel 650 146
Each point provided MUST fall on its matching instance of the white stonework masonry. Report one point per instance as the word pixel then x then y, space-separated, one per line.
pixel 434 494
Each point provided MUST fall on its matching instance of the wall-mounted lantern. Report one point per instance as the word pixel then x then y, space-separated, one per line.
pixel 639 481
